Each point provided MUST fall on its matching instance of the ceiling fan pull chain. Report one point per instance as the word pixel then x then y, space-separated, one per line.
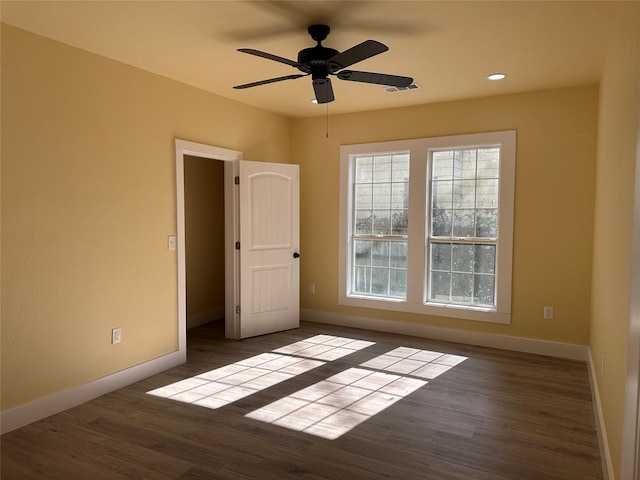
pixel 327 122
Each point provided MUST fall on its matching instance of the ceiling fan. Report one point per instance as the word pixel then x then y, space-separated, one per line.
pixel 321 61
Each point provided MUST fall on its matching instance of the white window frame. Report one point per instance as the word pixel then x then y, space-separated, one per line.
pixel 373 238
pixel 417 255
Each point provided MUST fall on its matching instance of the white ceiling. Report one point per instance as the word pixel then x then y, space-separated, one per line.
pixel 448 47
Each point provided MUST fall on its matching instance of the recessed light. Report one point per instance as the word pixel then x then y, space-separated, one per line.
pixel 496 76
pixel 314 100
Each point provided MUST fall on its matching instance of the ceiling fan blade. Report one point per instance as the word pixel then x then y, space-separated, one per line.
pixel 270 56
pixel 362 51
pixel 377 78
pixel 271 80
pixel 323 89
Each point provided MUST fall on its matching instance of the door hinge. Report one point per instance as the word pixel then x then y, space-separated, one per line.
pixel 237 180
pixel 238 309
pixel 237 245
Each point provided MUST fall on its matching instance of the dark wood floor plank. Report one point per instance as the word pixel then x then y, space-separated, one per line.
pixel 498 415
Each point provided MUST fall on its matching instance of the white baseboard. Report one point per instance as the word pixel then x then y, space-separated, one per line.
pixel 605 455
pixel 504 342
pixel 38 409
pixel 44 407
pixel 205 317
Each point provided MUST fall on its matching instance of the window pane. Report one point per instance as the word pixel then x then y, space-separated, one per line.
pixel 400 170
pixel 399 222
pixel 457 164
pixel 442 165
pixel 487 193
pixel 400 195
pixel 464 194
pixel 441 256
pixel 463 223
pixel 485 259
pixel 465 164
pixel 487 223
pixel 398 283
pixel 362 252
pixel 363 196
pixel 462 256
pixel 381 222
pixel 442 194
pixel 441 223
pixel 382 195
pixel 484 290
pixel 364 169
pixel 382 168
pixel 380 281
pixel 361 279
pixel 380 254
pixel 440 286
pixel 363 222
pixel 461 287
pixel 398 256
pixel 488 162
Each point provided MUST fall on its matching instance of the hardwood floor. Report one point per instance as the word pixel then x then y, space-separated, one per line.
pixel 494 415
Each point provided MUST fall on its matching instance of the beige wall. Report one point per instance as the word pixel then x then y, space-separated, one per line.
pixel 88 199
pixel 617 150
pixel 204 235
pixel 555 166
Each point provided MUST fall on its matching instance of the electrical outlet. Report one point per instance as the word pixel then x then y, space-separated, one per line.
pixel 312 288
pixel 116 334
pixel 548 313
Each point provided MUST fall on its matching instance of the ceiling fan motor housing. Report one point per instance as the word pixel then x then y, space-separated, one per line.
pixel 315 58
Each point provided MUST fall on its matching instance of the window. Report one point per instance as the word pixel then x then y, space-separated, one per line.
pixel 463 207
pixel 380 220
pixel 445 249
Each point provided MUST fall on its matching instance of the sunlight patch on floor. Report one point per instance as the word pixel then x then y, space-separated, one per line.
pixel 334 406
pixel 224 385
pixel 414 362
pixel 324 347
pixel 326 409
pixel 219 387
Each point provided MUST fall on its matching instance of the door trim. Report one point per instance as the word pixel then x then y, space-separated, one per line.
pixel 230 157
pixel 631 429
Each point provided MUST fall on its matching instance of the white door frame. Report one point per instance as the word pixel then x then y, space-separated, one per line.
pixel 231 215
pixel 631 430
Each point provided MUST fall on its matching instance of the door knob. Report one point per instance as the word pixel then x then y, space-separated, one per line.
pixel 296 255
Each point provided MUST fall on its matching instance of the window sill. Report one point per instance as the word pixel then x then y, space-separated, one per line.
pixel 462 312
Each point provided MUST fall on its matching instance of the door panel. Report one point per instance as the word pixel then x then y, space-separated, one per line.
pixel 269 237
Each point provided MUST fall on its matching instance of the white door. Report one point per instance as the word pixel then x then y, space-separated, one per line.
pixel 269 247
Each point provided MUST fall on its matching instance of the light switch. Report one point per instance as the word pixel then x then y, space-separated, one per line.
pixel 172 242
